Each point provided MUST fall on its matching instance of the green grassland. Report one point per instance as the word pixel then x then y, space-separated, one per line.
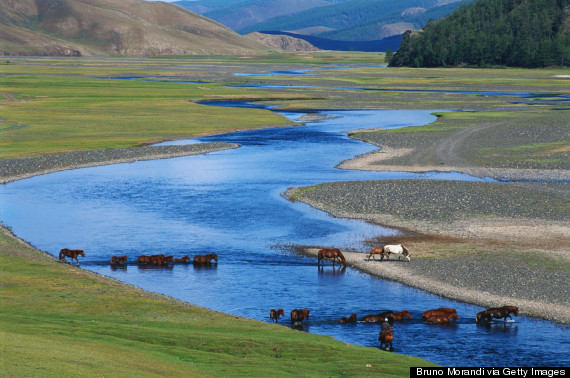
pixel 527 138
pixel 62 321
pixel 52 105
pixel 46 114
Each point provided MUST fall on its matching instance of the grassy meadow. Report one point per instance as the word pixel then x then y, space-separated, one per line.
pixel 58 113
pixel 53 105
pixel 527 138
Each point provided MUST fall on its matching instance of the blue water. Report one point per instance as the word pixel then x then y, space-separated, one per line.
pixel 231 203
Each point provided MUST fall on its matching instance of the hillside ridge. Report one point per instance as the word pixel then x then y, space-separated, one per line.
pixel 113 27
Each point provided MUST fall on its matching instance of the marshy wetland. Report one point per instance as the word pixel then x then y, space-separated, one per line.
pixel 124 201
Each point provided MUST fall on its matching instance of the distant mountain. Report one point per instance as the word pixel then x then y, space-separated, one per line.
pixel 331 44
pixel 520 33
pixel 112 27
pixel 390 24
pixel 348 20
pixel 238 14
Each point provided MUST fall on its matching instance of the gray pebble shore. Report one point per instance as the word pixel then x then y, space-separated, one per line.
pixel 462 268
pixel 17 169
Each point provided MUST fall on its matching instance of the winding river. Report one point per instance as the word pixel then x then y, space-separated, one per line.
pixel 230 203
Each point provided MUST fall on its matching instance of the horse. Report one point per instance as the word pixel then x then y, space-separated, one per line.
pixel 451 312
pixel 274 314
pixel 397 249
pixel 118 260
pixel 401 315
pixel 351 319
pixel 184 259
pixel 164 260
pixel 440 319
pixel 160 260
pixel 386 338
pixel 297 316
pixel 496 313
pixel 205 259
pixel 73 253
pixel 143 260
pixel 379 317
pixel 376 251
pixel 333 254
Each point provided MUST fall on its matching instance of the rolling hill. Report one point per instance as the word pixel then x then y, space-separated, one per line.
pixel 237 14
pixel 113 27
pixel 343 20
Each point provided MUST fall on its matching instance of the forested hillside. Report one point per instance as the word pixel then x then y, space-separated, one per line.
pixel 237 14
pixel 386 24
pixel 337 20
pixel 344 20
pixel 519 33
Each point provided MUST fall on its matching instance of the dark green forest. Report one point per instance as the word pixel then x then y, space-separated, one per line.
pixel 366 30
pixel 516 33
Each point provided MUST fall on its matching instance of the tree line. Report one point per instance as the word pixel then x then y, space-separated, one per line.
pixel 518 33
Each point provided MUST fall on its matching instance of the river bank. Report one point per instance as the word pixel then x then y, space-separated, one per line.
pixel 18 169
pixel 469 241
pixel 465 279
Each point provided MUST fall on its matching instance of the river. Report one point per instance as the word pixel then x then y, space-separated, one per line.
pixel 230 203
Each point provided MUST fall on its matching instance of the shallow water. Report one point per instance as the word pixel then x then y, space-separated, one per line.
pixel 230 203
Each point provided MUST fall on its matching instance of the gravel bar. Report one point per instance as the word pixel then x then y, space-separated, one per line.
pixel 486 283
pixel 488 244
pixel 12 170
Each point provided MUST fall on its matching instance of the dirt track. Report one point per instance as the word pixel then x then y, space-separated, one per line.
pixel 448 149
